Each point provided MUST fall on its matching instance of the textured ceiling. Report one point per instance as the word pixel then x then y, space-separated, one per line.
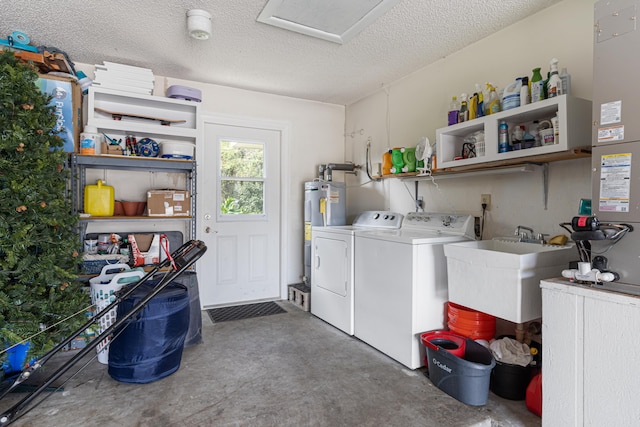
pixel 246 54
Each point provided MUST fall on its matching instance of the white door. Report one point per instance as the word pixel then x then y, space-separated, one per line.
pixel 239 190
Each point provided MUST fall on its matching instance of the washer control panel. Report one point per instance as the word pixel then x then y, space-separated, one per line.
pixel 379 219
pixel 443 222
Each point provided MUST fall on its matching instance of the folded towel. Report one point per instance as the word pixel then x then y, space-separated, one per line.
pixel 508 350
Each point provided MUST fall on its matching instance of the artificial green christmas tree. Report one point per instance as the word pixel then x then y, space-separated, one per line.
pixel 38 234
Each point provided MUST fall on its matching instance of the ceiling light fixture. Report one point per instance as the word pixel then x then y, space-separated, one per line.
pixel 199 24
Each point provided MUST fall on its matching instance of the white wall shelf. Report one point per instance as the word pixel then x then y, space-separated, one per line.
pixel 574 115
pixel 144 105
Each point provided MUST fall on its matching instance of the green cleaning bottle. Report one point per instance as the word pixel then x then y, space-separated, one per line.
pixel 537 86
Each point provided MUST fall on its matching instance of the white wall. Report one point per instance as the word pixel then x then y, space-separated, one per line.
pixel 316 135
pixel 417 105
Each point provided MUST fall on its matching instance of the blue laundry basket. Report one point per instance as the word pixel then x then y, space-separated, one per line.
pixel 149 346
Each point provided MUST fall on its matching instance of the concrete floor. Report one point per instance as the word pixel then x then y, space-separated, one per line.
pixel 289 369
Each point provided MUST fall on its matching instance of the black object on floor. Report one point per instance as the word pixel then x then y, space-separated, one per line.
pixel 244 311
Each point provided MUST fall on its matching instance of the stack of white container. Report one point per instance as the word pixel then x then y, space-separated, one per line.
pixel 126 78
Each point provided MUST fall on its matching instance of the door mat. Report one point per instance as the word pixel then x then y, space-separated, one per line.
pixel 246 311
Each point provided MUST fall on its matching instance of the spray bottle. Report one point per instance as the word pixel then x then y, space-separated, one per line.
pixel 554 86
pixel 464 109
pixel 494 100
pixel 473 106
pixel 480 110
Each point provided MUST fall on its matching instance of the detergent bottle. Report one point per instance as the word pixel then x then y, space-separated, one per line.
pixel 396 160
pixel 511 95
pixel 409 158
pixel 386 163
pixel 536 86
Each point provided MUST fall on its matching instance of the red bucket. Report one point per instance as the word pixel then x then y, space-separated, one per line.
pixel 453 343
pixel 470 323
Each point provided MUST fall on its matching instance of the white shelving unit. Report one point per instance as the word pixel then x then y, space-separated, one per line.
pixel 574 116
pixel 140 105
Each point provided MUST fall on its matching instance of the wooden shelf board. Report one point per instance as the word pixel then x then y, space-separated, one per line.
pixel 577 153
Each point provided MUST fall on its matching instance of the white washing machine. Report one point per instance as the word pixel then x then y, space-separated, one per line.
pixel 401 282
pixel 332 255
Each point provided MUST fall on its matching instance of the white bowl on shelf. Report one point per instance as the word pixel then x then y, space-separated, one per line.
pixel 177 150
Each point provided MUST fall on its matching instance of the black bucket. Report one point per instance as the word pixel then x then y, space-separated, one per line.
pixel 149 346
pixel 510 381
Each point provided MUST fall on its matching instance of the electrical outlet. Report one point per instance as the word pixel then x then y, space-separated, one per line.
pixel 486 199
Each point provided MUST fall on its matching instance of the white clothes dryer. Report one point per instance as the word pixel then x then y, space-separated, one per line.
pixel 401 282
pixel 332 275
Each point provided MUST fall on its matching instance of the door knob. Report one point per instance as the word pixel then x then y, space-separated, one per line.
pixel 209 230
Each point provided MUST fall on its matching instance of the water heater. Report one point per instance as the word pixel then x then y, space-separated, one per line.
pixel 325 204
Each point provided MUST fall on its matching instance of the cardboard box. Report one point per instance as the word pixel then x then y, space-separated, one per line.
pixel 67 100
pixel 115 150
pixel 168 203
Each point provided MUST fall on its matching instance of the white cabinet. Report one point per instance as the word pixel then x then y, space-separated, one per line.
pixel 574 118
pixel 589 356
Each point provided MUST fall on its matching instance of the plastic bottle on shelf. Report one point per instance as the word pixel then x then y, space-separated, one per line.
pixel 454 109
pixel 387 164
pixel 554 86
pixel 463 116
pixel 524 91
pixel 480 109
pixel 545 86
pixel 503 137
pixel 511 95
pixel 473 106
pixel 90 140
pixel 566 82
pixel 494 100
pixel 535 131
pixel 536 86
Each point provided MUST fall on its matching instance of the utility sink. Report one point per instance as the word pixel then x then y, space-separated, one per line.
pixel 502 277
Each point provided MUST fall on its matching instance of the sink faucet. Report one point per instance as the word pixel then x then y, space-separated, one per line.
pixel 523 234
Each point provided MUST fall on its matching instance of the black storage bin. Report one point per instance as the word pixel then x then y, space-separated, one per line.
pixel 149 346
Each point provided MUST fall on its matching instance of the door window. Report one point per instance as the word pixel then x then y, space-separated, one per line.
pixel 242 179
